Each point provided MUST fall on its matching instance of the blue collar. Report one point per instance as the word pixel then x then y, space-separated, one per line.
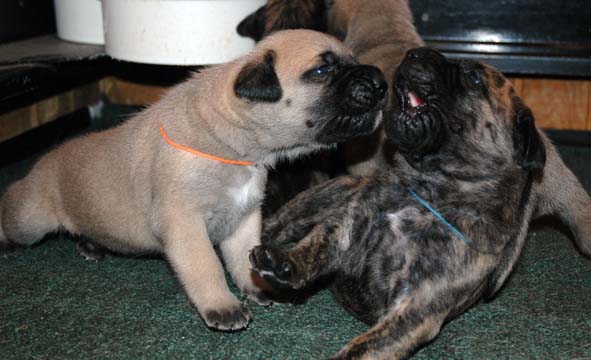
pixel 439 216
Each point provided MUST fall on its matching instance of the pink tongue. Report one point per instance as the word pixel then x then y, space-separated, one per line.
pixel 414 99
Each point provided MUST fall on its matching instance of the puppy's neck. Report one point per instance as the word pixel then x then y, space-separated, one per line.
pixel 463 188
pixel 211 120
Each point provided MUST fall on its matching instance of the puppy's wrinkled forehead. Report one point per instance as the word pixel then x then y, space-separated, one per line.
pixel 298 50
pixel 492 84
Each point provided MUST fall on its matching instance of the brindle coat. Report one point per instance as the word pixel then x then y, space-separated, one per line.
pixel 468 147
pixel 379 32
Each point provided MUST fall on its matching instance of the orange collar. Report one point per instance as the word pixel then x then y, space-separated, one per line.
pixel 199 153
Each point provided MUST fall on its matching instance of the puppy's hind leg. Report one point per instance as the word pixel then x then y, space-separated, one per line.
pixel 89 250
pixel 27 214
pixel 560 193
pixel 396 336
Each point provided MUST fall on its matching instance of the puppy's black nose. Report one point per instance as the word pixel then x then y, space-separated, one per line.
pixel 381 86
pixel 420 72
pixel 366 88
pixel 422 65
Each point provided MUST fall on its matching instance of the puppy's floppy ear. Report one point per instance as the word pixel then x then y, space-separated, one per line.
pixel 530 152
pixel 258 81
pixel 253 26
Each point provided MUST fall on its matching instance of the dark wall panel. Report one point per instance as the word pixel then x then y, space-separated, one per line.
pixel 524 22
pixel 533 37
pixel 20 19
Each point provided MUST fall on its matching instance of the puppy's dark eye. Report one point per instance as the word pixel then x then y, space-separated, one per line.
pixel 320 73
pixel 324 69
pixel 473 78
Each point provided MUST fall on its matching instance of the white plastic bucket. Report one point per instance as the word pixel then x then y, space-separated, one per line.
pixel 79 21
pixel 176 32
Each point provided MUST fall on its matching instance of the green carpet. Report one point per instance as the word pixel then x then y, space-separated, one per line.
pixel 55 305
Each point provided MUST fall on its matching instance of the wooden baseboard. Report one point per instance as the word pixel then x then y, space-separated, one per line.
pixel 16 122
pixel 557 104
pixel 124 92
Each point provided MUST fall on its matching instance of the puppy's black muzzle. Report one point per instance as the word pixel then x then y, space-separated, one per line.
pixel 364 88
pixel 417 127
pixel 353 106
pixel 422 65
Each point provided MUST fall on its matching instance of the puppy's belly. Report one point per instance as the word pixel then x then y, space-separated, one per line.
pixel 132 238
pixel 96 200
pixel 113 227
pixel 233 204
pixel 368 289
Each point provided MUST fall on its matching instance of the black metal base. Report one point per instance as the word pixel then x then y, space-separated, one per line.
pixel 569 137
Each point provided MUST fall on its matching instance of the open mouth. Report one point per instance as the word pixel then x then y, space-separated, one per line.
pixel 414 100
pixel 416 126
pixel 411 104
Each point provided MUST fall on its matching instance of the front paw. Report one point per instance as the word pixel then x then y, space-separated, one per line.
pixel 233 318
pixel 275 268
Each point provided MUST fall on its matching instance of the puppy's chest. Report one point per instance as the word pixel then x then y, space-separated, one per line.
pixel 251 192
pixel 239 198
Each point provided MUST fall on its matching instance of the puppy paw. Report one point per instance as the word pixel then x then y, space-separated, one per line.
pixel 90 251
pixel 233 318
pixel 349 353
pixel 342 356
pixel 275 268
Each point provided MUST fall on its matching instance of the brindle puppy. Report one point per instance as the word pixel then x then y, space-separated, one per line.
pixel 470 150
pixel 379 32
